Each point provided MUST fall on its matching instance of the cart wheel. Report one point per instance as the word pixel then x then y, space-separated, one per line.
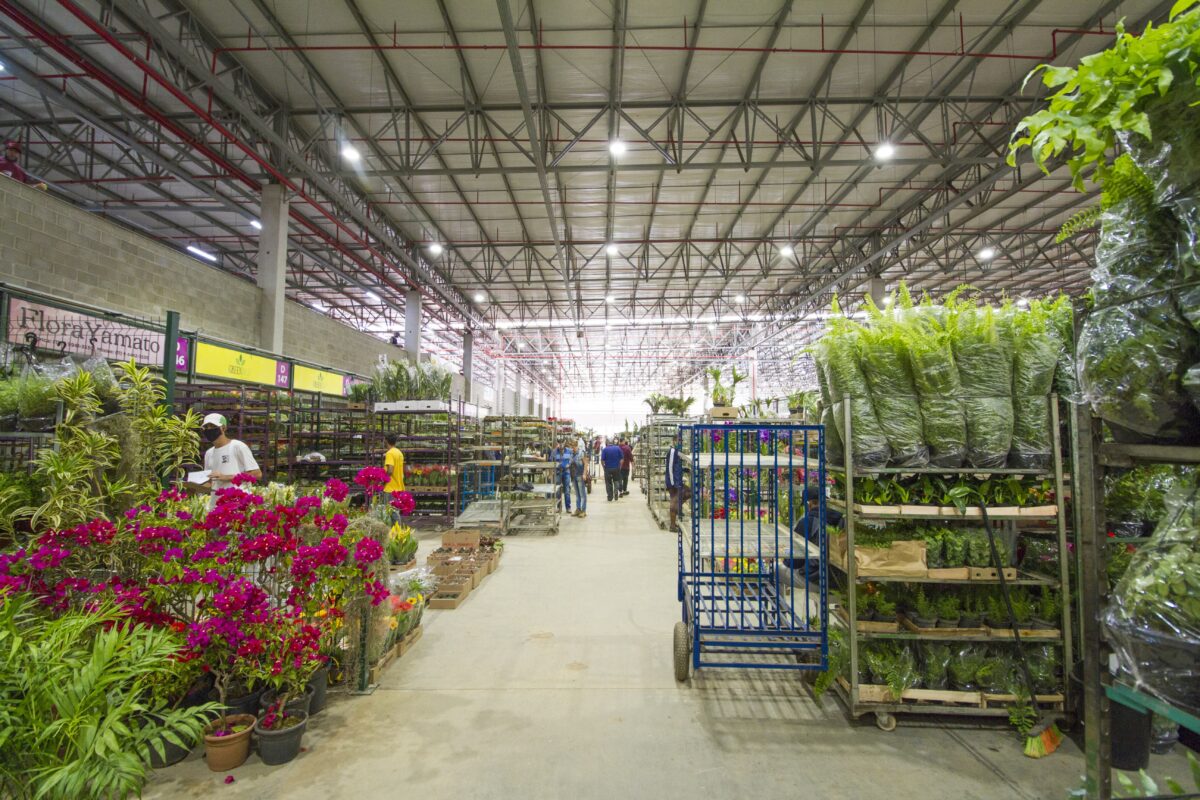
pixel 683 652
pixel 885 721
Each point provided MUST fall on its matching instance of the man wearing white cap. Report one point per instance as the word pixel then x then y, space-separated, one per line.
pixel 227 458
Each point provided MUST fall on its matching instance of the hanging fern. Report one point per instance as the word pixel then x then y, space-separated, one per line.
pixel 1123 183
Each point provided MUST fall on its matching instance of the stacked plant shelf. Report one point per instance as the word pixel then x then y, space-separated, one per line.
pixel 330 427
pixel 657 436
pixel 429 440
pixel 479 464
pixel 929 552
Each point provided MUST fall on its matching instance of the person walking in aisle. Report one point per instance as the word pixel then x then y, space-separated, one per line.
pixel 626 466
pixel 562 457
pixel 674 477
pixel 611 457
pixel 579 476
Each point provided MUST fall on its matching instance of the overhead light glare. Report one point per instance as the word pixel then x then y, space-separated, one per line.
pixel 350 153
pixel 885 151
pixel 256 224
pixel 617 147
pixel 609 299
pixel 786 251
pixel 480 297
pixel 202 253
pixel 739 299
pixel 1 66
pixel 987 254
pixel 613 249
pixel 374 298
pixel 436 249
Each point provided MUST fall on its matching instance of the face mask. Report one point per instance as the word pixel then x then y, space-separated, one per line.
pixel 211 434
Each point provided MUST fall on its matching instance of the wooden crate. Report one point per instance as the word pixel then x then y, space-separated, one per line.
pixel 387 658
pixel 447 600
pixel 878 693
pixel 949 573
pixel 410 639
pixel 1054 701
pixel 868 626
pixel 723 412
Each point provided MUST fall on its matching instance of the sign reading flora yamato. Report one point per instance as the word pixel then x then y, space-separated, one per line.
pixel 82 334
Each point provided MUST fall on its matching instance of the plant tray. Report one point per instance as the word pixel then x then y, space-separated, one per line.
pixel 723 412
pixel 912 627
pixel 1031 633
pixel 448 599
pixel 990 574
pixel 410 639
pixel 880 693
pixel 868 626
pixel 949 573
pixel 993 700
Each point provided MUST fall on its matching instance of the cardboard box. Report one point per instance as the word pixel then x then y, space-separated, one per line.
pixel 904 558
pixel 990 574
pixel 460 538
pixel 447 600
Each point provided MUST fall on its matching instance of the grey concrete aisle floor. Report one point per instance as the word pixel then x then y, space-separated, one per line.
pixel 554 680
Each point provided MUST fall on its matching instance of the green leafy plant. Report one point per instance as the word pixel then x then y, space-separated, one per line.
pixel 1022 605
pixel 1108 94
pixel 935 662
pixel 948 607
pixel 78 714
pixel 838 665
pixel 1049 607
pixel 964 667
pixel 925 606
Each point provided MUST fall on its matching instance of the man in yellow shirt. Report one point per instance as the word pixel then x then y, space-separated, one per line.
pixel 393 462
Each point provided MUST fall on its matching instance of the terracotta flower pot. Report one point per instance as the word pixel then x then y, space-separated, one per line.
pixel 223 753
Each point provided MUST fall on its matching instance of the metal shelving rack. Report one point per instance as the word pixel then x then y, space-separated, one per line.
pixel 660 430
pixel 1093 457
pixel 939 702
pixel 329 426
pixel 428 435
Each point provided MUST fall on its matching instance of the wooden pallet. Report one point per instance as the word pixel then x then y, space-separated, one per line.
pixel 1031 633
pixel 410 639
pixel 867 626
pixel 877 693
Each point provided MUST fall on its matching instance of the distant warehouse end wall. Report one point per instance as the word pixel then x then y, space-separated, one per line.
pixel 50 246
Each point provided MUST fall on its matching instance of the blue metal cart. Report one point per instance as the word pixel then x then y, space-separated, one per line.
pixel 752 574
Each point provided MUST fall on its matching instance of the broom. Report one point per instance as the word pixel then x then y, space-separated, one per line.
pixel 1043 737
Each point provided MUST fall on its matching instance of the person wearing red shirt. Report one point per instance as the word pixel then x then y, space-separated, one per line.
pixel 626 466
pixel 10 165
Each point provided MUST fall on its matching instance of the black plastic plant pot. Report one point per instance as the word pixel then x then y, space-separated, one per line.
pixel 954 622
pixel 999 624
pixel 1040 624
pixel 969 622
pixel 172 753
pixel 1165 664
pixel 925 622
pixel 280 747
pixel 295 705
pixel 240 705
pixel 1130 737
pixel 319 684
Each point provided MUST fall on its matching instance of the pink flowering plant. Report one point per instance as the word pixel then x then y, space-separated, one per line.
pixel 238 581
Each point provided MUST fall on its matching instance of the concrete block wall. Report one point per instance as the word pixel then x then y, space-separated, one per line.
pixel 50 246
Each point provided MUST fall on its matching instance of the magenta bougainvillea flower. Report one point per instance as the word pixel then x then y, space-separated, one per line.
pixel 404 503
pixel 336 490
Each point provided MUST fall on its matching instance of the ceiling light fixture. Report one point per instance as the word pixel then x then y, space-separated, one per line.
pixel 987 254
pixel 739 299
pixel 191 248
pixel 786 251
pixel 480 297
pixel 256 224
pixel 617 147
pixel 613 249
pixel 436 249
pixel 711 327
pixel 884 151
pixel 609 299
pixel 349 153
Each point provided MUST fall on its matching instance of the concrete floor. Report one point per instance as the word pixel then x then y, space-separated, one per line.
pixel 554 680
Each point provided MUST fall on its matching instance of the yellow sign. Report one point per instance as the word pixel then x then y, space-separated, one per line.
pixel 307 379
pixel 222 362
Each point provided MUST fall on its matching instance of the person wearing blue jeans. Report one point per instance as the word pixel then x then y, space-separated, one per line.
pixel 579 471
pixel 562 456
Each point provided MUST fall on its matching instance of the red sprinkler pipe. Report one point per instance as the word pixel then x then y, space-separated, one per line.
pixel 142 104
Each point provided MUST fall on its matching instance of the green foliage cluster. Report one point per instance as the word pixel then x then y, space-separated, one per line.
pixel 665 404
pixel 77 698
pixel 399 380
pixel 723 395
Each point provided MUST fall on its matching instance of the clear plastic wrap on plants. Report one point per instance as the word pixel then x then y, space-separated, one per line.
pixel 935 377
pixel 838 352
pixel 889 374
pixel 420 580
pixel 983 353
pixel 1154 616
pixel 935 664
pixel 834 446
pixel 1135 253
pixel 1037 349
pixel 1131 360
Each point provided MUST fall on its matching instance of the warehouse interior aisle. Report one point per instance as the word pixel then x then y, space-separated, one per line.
pixel 555 680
